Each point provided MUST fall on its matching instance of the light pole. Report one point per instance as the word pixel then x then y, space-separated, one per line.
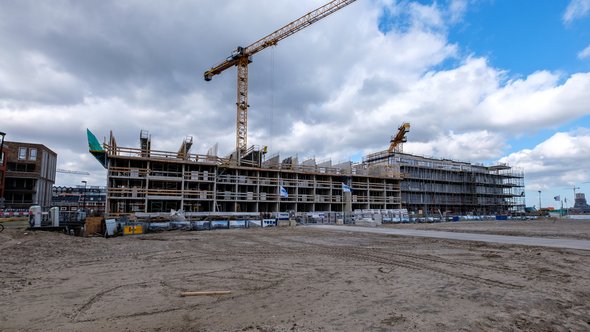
pixel 2 134
pixel 539 200
pixel 84 197
pixel 561 210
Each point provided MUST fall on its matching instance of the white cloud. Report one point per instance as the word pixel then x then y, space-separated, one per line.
pixel 559 161
pixel 334 90
pixel 472 146
pixel 457 9
pixel 539 100
pixel 576 9
pixel 426 16
pixel 471 98
pixel 585 53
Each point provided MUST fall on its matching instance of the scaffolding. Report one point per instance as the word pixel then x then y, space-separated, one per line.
pixel 433 186
pixel 142 180
pixel 146 181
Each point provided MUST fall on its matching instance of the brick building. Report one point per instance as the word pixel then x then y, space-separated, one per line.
pixel 2 169
pixel 30 175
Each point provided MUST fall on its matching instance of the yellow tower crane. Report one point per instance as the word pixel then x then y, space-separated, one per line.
pixel 396 143
pixel 242 56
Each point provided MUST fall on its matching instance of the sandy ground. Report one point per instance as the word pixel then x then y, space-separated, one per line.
pixel 556 228
pixel 290 279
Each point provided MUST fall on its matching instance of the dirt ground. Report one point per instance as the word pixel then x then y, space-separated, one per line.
pixel 293 279
pixel 555 228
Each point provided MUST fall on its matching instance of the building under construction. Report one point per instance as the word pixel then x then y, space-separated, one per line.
pixel 441 186
pixel 145 180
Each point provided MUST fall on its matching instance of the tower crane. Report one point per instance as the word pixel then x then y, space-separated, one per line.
pixel 242 56
pixel 396 142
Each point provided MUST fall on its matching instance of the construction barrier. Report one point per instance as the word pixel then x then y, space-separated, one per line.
pixel 132 230
pixel 14 214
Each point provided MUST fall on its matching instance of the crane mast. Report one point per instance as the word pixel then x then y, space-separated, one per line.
pixel 242 56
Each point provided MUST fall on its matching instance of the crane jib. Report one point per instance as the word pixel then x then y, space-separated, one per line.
pixel 295 26
pixel 242 56
pixel 273 38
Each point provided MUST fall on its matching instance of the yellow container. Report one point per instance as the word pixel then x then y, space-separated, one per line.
pixel 131 230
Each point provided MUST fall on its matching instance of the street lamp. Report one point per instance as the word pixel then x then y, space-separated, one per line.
pixel 539 200
pixel 84 197
pixel 2 134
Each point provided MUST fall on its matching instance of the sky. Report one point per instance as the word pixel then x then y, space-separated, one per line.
pixel 486 81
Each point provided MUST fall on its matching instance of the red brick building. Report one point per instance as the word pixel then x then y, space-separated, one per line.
pixel 2 169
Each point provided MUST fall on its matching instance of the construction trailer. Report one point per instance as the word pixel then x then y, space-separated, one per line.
pixel 432 186
pixel 141 180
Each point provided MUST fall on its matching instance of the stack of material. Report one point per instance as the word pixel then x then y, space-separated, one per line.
pixel 369 222
pixel 387 170
pixel 93 226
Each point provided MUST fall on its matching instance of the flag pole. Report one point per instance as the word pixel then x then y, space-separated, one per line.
pixel 561 211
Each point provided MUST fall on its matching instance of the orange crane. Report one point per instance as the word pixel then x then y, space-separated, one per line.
pixel 396 142
pixel 242 56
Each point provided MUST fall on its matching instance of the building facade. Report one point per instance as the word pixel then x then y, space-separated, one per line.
pixel 2 172
pixel 143 180
pixel 433 186
pixel 89 198
pixel 30 175
pixel 580 204
pixel 140 184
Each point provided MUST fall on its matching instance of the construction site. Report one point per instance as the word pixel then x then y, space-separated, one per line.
pixel 246 180
pixel 141 180
pixel 392 241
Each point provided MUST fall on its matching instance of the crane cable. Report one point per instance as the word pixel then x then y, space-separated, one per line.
pixel 272 97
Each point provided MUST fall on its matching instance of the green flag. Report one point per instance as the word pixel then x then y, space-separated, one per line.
pixel 96 149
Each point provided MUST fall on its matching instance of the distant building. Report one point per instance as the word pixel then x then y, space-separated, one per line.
pixel 441 186
pixel 91 198
pixel 580 205
pixel 30 175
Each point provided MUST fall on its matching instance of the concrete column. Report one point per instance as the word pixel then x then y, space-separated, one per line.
pixel 347 202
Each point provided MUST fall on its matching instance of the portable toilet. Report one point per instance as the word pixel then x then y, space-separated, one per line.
pixel 54 215
pixel 35 215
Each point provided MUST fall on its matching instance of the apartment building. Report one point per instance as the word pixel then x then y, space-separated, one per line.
pixel 2 169
pixel 72 198
pixel 145 180
pixel 30 175
pixel 435 186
